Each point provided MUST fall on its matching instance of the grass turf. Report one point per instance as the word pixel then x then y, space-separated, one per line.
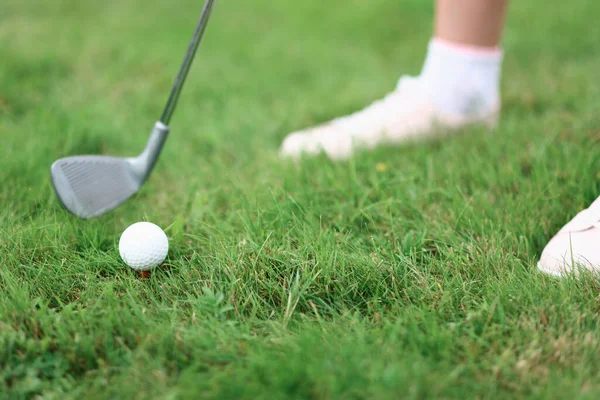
pixel 405 272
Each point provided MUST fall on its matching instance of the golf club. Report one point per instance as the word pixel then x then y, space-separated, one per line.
pixel 90 186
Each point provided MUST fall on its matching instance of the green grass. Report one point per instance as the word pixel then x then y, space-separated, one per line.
pixel 412 279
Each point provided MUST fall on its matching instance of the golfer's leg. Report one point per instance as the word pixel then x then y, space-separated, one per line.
pixel 471 22
pixel 458 86
pixel 463 65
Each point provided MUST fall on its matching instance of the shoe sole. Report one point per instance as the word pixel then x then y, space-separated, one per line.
pixel 547 272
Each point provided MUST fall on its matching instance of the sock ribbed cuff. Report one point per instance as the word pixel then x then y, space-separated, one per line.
pixel 473 50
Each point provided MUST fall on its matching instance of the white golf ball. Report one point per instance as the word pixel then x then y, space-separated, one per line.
pixel 143 246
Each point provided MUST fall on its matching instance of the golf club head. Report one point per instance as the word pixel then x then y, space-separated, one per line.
pixel 89 186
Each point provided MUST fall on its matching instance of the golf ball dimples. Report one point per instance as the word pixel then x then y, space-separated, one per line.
pixel 143 246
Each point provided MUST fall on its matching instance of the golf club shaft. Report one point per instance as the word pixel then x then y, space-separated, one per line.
pixel 187 63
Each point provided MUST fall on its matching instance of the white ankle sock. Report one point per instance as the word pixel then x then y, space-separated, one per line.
pixel 462 79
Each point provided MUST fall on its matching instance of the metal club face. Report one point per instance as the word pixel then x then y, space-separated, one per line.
pixel 89 186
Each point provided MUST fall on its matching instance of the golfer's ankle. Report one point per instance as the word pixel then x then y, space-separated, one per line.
pixel 463 79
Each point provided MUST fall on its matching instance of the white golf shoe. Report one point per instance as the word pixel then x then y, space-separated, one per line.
pixel 407 113
pixel 576 247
